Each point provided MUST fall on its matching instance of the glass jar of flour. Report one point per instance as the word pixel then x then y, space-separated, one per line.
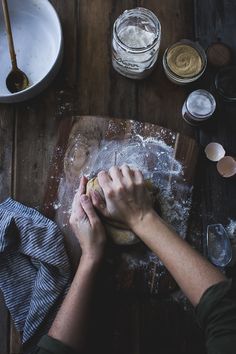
pixel 135 43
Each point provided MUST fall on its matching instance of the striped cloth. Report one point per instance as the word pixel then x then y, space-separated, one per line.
pixel 34 269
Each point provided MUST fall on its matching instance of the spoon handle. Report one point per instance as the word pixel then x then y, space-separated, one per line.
pixel 9 34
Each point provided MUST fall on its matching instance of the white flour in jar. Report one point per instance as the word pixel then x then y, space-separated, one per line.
pixel 136 37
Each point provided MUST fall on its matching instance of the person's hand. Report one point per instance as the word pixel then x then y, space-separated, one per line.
pixel 126 197
pixel 86 225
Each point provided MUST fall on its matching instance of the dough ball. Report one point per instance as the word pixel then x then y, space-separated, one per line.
pixel 121 236
pixel 93 185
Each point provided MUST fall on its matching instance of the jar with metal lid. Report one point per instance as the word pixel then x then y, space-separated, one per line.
pixel 184 62
pixel 135 43
pixel 198 107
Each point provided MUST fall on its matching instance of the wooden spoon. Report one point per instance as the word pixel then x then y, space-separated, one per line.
pixel 16 80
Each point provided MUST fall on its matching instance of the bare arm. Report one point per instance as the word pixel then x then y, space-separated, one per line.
pixel 126 200
pixel 70 325
pixel 192 272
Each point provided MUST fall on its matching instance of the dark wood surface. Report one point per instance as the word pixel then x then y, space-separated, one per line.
pixel 87 85
pixel 6 171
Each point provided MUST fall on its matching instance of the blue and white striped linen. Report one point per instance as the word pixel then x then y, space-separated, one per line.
pixel 35 273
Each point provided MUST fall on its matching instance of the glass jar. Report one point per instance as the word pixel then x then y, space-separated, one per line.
pixel 184 62
pixel 136 43
pixel 198 107
pixel 225 83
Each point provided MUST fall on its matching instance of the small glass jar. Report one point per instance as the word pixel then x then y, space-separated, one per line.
pixel 198 107
pixel 225 83
pixel 136 43
pixel 184 62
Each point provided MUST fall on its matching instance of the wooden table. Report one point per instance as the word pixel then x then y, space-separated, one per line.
pixel 87 85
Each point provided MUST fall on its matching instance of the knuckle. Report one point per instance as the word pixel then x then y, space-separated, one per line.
pixel 113 169
pixel 130 186
pixel 95 222
pixel 96 202
pixel 109 193
pixel 140 183
pixel 86 202
pixel 72 220
pixel 120 189
pixel 138 172
pixel 99 204
pixel 101 173
pixel 73 226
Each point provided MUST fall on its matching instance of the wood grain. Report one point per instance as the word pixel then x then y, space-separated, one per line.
pixel 15 340
pixel 6 166
pixel 215 21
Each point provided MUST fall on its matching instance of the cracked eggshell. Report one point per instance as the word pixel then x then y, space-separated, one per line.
pixel 227 167
pixel 214 152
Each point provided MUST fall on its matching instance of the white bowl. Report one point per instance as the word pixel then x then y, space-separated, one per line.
pixel 38 44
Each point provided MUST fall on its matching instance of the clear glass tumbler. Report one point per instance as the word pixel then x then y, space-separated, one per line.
pixel 136 43
pixel 225 83
pixel 219 248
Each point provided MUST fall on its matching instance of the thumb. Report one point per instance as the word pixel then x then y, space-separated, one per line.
pixel 88 208
pixel 99 203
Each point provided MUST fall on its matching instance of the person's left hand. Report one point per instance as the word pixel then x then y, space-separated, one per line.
pixel 86 225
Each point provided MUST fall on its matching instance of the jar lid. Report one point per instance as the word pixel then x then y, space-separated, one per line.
pixel 219 54
pixel 201 104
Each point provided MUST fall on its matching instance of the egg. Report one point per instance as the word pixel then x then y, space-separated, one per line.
pixel 214 152
pixel 227 166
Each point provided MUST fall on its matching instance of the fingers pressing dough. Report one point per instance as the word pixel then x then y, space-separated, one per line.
pixel 117 231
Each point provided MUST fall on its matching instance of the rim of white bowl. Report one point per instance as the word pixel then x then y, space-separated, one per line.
pixel 28 89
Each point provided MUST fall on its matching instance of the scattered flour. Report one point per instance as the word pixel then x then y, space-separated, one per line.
pixel 157 161
pixel 231 229
pixel 56 205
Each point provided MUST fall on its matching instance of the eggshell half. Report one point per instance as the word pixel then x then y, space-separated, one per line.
pixel 227 167
pixel 214 152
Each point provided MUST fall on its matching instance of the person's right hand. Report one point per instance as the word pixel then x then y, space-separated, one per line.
pixel 126 197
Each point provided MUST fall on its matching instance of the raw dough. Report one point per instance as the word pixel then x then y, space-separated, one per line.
pixel 116 230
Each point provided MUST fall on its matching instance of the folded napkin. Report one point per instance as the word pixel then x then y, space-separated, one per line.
pixel 35 273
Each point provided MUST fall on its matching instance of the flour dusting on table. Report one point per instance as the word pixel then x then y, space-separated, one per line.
pixel 153 156
pixel 157 162
pixel 231 229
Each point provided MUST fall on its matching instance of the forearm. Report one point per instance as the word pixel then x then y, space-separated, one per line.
pixel 192 272
pixel 71 322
